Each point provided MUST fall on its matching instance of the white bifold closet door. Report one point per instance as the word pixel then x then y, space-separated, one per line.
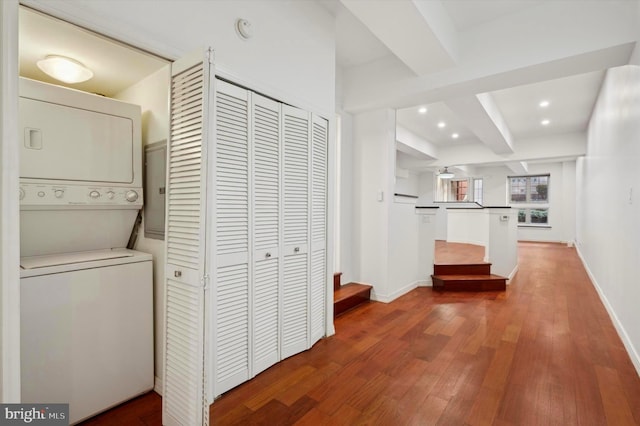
pixel 185 400
pixel 318 281
pixel 267 224
pixel 232 216
pixel 295 287
pixel 269 233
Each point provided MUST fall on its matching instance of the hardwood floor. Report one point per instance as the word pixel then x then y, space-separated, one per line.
pixel 456 253
pixel 542 353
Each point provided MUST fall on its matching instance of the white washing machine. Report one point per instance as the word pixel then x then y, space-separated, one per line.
pixel 86 329
pixel 86 301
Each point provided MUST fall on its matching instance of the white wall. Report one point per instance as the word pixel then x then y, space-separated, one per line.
pixel 152 94
pixel 346 238
pixel 426 188
pixel 407 185
pixel 373 169
pixel 608 202
pixel 469 226
pixel 403 251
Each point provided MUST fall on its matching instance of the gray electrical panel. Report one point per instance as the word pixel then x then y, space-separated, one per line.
pixel 155 162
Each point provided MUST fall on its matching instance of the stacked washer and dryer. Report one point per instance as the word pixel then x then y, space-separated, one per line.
pixel 86 300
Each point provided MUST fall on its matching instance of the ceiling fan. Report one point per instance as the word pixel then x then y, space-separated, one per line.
pixel 446 174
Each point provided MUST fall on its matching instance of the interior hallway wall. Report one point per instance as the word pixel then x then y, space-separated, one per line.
pixel 608 202
pixel 152 94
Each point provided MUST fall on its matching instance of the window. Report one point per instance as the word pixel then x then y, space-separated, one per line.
pixel 459 189
pixel 531 195
pixel 477 191
pixel 529 189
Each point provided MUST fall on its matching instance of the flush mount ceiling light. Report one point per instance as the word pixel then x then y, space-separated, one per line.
pixel 65 69
pixel 422 110
pixel 442 124
pixel 545 122
pixel 455 135
pixel 544 104
pixel 445 174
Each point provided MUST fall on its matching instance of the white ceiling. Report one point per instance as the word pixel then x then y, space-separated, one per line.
pixel 115 66
pixel 542 50
pixel 571 100
pixel 467 14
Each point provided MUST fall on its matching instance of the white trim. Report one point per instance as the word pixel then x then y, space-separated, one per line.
pixel 9 206
pixel 157 385
pixel 626 341
pixel 333 127
pixel 512 274
pixel 425 283
pixel 120 31
pixel 393 296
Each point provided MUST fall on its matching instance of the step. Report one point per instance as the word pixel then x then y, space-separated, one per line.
pixel 349 296
pixel 336 280
pixel 475 282
pixel 462 269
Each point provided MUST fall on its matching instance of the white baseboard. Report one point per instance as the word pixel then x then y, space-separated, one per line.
pixel 626 341
pixel 512 274
pixel 425 283
pixel 386 298
pixel 157 386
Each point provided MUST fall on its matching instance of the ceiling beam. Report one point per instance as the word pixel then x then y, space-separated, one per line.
pixel 492 56
pixel 569 145
pixel 518 167
pixel 482 117
pixel 409 143
pixel 421 35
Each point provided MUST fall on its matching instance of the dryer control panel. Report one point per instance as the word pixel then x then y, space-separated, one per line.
pixel 35 196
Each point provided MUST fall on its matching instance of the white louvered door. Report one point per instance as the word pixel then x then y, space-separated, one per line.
pixel 185 400
pixel 266 232
pixel 295 288
pixel 232 224
pixel 318 282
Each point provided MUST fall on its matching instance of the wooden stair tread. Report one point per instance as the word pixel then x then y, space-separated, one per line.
pixel 348 290
pixel 463 264
pixel 468 277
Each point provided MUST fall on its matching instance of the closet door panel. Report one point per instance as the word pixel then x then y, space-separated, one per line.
pixel 318 281
pixel 232 215
pixel 266 134
pixel 295 287
pixel 185 400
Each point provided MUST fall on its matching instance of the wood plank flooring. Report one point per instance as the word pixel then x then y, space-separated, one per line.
pixel 457 253
pixel 542 353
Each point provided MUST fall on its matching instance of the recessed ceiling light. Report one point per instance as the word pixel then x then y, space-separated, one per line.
pixel 544 104
pixel 455 135
pixel 442 124
pixel 64 69
pixel 545 122
pixel 422 110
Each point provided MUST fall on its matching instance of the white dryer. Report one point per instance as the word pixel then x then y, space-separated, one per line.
pixel 86 300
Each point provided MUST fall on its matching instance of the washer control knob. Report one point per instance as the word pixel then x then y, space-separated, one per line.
pixel 40 194
pixel 111 194
pixel 21 193
pixel 94 194
pixel 131 196
pixel 59 193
